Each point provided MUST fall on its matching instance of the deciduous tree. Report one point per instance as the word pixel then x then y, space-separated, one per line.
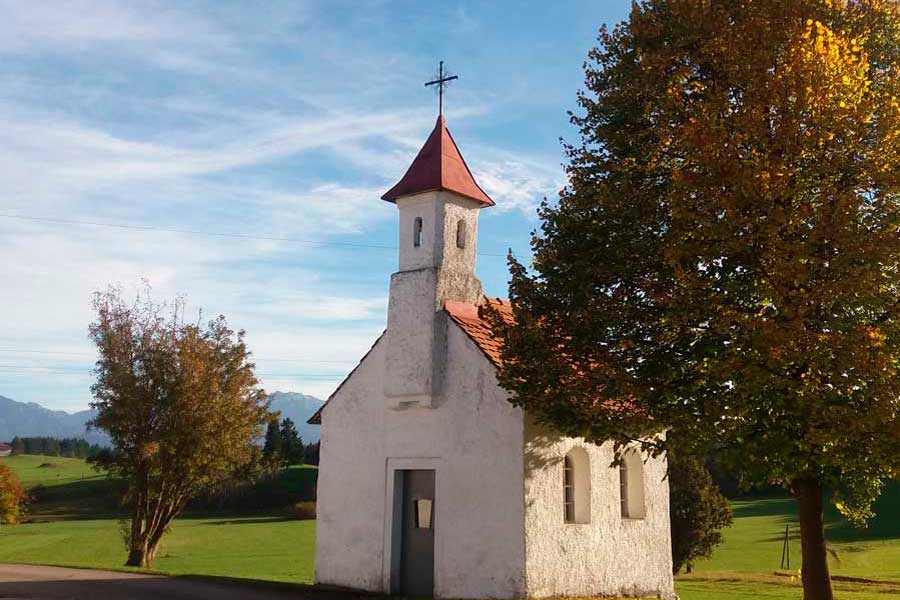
pixel 12 496
pixel 181 405
pixel 725 258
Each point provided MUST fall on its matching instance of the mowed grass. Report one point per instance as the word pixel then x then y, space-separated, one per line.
pixel 275 548
pixel 60 528
pixel 745 565
pixel 269 548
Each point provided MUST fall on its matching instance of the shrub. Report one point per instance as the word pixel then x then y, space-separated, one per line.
pixel 304 510
pixel 12 496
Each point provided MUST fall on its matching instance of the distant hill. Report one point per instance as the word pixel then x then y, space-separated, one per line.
pixel 298 408
pixel 27 419
pixel 30 419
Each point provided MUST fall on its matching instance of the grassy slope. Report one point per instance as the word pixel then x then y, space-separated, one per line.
pixel 57 470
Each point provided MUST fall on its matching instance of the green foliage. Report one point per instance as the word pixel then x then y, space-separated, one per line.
pixel 698 511
pixel 180 403
pixel 724 260
pixel 12 495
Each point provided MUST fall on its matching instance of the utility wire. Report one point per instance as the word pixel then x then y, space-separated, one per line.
pixel 210 233
pixel 86 370
pixel 259 358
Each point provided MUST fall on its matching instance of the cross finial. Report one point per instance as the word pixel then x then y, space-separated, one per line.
pixel 441 81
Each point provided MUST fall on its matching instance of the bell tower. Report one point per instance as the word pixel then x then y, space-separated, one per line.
pixel 438 202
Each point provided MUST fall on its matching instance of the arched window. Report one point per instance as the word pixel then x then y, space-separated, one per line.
pixel 576 487
pixel 461 233
pixel 417 232
pixel 631 485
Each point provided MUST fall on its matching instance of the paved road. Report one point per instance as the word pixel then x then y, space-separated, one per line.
pixel 55 583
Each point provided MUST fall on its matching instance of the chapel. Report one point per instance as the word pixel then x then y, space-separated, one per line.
pixel 431 483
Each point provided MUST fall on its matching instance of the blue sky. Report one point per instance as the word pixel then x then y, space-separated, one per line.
pixel 273 120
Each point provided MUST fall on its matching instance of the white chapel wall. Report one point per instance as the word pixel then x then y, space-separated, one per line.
pixel 608 556
pixel 473 438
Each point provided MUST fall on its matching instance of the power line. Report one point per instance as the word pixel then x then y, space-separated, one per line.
pixel 15 351
pixel 211 233
pixel 87 371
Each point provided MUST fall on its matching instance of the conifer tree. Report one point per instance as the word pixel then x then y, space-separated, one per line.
pixel 272 444
pixel 291 444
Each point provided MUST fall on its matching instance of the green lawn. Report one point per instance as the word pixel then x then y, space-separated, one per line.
pixel 63 528
pixel 744 566
pixel 272 547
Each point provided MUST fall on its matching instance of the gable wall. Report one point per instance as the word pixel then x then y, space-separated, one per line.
pixel 473 438
pixel 608 556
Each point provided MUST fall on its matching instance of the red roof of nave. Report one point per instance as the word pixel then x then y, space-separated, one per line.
pixel 439 166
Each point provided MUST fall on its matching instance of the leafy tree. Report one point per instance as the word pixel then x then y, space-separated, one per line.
pixel 725 260
pixel 291 444
pixel 12 496
pixel 18 446
pixel 272 445
pixel 697 511
pixel 180 403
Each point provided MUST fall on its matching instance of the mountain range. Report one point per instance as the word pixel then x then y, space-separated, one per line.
pixel 29 419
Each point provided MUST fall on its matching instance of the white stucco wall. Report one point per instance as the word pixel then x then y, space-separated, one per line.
pixel 471 436
pixel 608 556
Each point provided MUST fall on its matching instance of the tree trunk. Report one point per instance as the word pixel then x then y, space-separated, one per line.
pixel 815 575
pixel 138 557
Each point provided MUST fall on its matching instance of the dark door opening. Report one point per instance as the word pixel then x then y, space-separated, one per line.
pixel 416 519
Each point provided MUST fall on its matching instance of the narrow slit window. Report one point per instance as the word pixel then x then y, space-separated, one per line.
pixel 568 490
pixel 623 488
pixel 418 235
pixel 461 234
pixel 576 487
pixel 631 485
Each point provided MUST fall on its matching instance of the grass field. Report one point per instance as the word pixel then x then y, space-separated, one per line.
pixel 744 566
pixel 273 547
pixel 64 530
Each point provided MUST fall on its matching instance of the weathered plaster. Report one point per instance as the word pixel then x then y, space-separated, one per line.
pixel 607 556
pixel 431 273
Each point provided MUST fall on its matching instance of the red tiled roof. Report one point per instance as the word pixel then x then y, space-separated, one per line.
pixel 439 166
pixel 471 320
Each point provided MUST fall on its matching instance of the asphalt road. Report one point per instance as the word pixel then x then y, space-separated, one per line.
pixel 55 583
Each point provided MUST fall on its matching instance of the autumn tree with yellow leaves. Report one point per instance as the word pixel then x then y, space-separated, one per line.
pixel 725 259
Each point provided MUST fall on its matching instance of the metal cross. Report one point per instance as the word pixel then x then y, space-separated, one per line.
pixel 441 81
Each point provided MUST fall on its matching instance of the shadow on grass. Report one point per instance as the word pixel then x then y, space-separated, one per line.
pixel 85 499
pixel 238 520
pixel 765 507
pixel 885 525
